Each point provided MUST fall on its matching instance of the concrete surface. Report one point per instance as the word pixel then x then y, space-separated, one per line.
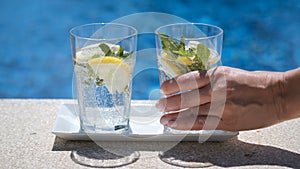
pixel 26 141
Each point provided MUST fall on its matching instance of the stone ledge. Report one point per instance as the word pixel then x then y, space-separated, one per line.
pixel 27 142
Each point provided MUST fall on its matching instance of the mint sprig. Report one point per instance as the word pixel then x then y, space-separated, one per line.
pixel 199 56
pixel 107 51
pixel 92 75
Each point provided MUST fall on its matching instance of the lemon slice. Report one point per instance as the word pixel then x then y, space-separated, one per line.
pixel 114 72
pixel 184 60
pixel 168 65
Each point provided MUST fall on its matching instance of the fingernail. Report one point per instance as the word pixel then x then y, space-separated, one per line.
pixel 164 121
pixel 172 123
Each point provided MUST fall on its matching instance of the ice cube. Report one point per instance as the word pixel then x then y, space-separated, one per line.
pixel 192 44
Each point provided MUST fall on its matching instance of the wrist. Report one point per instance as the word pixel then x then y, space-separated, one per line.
pixel 276 85
pixel 291 95
pixel 280 96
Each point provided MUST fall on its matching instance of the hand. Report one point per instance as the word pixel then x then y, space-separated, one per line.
pixel 223 98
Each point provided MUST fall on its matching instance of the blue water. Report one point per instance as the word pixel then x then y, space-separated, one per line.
pixel 35 59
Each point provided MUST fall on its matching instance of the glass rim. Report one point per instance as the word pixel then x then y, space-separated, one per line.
pixel 196 24
pixel 135 31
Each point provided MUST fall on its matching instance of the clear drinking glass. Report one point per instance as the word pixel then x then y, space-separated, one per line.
pixel 104 57
pixel 186 47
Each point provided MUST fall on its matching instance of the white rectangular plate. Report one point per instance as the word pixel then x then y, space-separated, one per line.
pixel 144 126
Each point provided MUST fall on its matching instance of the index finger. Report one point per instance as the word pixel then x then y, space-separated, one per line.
pixel 189 81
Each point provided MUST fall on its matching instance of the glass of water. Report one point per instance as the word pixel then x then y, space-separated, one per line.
pixel 103 56
pixel 186 47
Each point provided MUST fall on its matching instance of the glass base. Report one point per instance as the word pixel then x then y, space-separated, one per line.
pixel 120 129
pixel 97 157
pixel 168 130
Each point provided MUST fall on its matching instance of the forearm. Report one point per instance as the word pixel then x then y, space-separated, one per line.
pixel 291 95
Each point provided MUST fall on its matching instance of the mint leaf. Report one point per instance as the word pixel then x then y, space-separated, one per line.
pixel 120 52
pixel 106 50
pixel 125 55
pixel 168 44
pixel 203 53
pixel 98 81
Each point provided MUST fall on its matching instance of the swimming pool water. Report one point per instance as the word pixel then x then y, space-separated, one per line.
pixel 34 37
